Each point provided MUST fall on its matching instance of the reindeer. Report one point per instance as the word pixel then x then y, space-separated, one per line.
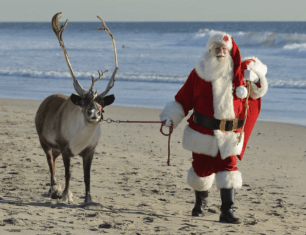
pixel 70 125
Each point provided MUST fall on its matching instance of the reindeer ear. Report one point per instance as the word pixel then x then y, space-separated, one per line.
pixel 76 99
pixel 105 101
pixel 108 100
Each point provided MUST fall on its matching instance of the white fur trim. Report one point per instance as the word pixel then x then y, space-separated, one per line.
pixel 199 183
pixel 228 179
pixel 227 143
pixel 223 97
pixel 200 143
pixel 257 92
pixel 261 70
pixel 241 92
pixel 210 145
pixel 219 38
pixel 257 65
pixel 174 111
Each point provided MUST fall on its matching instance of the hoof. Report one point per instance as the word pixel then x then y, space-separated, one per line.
pixel 56 195
pixel 55 192
pixel 67 197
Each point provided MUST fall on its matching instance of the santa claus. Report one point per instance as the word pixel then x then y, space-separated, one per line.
pixel 219 127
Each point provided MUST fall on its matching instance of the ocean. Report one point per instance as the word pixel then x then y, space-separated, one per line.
pixel 155 58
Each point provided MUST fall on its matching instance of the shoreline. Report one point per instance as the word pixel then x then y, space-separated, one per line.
pixel 137 192
pixel 138 107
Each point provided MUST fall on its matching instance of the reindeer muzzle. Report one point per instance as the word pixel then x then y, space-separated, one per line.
pixel 92 113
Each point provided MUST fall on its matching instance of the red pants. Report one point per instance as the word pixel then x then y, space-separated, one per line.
pixel 205 165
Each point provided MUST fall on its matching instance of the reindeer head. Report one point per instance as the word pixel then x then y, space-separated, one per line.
pixel 91 103
pixel 92 108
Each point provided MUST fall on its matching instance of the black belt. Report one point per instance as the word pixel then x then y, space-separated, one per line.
pixel 224 125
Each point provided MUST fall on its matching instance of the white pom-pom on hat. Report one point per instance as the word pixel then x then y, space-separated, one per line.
pixel 241 92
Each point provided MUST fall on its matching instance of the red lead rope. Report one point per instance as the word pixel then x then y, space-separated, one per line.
pixel 161 130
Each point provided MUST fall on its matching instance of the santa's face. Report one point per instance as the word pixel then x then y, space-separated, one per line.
pixel 217 62
pixel 220 51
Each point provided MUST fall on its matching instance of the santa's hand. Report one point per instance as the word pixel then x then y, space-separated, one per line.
pixel 167 121
pixel 249 75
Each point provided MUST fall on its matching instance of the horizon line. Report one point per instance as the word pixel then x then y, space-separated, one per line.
pixel 228 21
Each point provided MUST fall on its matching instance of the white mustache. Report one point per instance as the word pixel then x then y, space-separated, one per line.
pixel 220 54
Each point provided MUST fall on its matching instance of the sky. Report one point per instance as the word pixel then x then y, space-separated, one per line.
pixel 153 10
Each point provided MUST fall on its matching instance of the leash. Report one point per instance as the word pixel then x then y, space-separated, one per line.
pixel 109 120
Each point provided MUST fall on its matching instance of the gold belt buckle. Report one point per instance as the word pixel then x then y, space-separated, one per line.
pixel 223 123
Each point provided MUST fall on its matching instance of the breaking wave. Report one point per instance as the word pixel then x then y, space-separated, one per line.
pixel 82 75
pixel 252 39
pixel 132 77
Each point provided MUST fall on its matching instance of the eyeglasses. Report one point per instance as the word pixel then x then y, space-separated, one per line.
pixel 222 49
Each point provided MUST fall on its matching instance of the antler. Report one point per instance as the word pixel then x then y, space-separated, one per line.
pixel 112 80
pixel 77 86
pixel 94 81
pixel 58 32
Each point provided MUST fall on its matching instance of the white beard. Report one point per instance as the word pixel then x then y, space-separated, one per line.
pixel 215 68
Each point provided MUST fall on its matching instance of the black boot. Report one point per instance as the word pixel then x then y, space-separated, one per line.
pixel 200 203
pixel 228 199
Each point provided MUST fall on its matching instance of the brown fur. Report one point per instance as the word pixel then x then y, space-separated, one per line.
pixel 49 121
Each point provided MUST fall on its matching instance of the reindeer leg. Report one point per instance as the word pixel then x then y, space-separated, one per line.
pixel 87 156
pixel 55 154
pixel 67 195
pixel 55 189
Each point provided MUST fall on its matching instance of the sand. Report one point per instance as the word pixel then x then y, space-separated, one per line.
pixel 138 193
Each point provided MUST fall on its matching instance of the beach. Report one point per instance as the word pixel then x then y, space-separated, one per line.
pixel 137 192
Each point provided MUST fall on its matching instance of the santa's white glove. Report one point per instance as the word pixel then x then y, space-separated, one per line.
pixel 167 121
pixel 249 75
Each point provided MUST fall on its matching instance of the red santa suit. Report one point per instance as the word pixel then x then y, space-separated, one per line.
pixel 214 151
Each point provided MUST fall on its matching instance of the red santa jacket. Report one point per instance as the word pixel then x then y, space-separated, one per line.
pixel 216 99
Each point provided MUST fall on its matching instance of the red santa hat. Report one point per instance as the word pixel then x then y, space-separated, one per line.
pixel 238 81
pixel 230 44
